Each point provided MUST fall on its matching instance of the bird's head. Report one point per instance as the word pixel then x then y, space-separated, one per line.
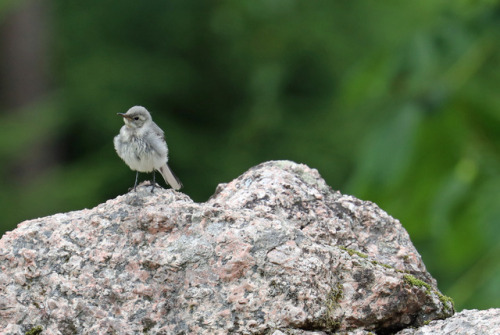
pixel 136 117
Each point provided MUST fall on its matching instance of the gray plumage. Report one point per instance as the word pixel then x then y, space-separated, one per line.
pixel 141 144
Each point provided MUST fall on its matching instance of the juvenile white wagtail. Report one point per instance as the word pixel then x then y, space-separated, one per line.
pixel 141 144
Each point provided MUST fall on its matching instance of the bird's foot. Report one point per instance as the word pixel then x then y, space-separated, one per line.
pixel 153 185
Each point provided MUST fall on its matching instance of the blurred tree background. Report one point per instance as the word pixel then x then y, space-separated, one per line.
pixel 393 102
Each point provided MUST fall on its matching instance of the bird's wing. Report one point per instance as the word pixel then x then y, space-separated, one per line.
pixel 156 140
pixel 158 132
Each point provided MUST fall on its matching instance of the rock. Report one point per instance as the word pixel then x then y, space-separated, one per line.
pixel 467 322
pixel 274 251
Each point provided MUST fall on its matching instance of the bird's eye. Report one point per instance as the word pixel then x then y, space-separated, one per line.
pixel 136 118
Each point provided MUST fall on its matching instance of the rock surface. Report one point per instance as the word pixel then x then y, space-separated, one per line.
pixel 467 322
pixel 275 251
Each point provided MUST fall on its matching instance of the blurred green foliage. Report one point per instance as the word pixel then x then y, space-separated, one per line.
pixel 393 102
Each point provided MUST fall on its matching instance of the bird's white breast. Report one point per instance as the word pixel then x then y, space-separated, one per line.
pixel 139 152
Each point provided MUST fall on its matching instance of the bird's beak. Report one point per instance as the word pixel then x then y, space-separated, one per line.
pixel 123 115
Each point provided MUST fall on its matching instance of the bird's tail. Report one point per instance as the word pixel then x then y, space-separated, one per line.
pixel 170 177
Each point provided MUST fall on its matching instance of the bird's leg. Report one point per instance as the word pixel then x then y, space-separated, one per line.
pixel 136 176
pixel 154 181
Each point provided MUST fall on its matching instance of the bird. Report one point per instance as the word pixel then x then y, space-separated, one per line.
pixel 141 145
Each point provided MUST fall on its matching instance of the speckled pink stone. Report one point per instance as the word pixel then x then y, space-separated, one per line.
pixel 270 252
